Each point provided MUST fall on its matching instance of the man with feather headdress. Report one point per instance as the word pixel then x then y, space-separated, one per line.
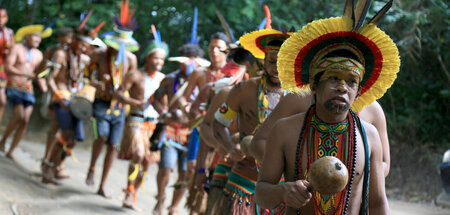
pixel 112 64
pixel 346 64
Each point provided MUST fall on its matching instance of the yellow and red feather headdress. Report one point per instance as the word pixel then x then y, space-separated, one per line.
pixel 375 50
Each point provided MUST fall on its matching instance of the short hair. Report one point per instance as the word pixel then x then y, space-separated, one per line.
pixel 65 31
pixel 220 36
pixel 190 50
pixel 240 56
pixel 2 7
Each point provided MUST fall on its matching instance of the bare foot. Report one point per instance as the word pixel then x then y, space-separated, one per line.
pixel 173 211
pixel 90 178
pixel 103 193
pixel 46 180
pixel 48 175
pixel 62 174
pixel 129 202
pixel 11 157
pixel 159 206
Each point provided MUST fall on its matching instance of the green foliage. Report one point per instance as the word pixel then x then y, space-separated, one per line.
pixel 417 105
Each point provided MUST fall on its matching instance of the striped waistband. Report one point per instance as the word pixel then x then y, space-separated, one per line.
pixel 239 183
pixel 21 86
pixel 177 134
pixel 222 170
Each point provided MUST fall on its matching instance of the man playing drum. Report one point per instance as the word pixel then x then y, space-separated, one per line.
pixel 65 82
pixel 112 64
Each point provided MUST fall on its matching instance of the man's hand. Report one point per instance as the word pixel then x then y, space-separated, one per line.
pixel 296 194
pixel 62 102
pixel 236 153
pixel 200 180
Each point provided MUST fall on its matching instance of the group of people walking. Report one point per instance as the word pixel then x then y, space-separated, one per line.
pixel 242 128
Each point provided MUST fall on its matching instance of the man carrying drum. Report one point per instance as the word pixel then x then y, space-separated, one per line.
pixel 64 83
pixel 112 65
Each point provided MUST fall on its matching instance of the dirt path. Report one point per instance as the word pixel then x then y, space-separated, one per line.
pixel 23 193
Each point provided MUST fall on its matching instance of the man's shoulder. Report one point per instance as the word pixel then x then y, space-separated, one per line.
pixel 173 74
pixel 289 121
pixel 369 128
pixel 8 30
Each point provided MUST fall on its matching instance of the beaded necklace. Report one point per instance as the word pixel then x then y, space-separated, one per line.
pixel 323 139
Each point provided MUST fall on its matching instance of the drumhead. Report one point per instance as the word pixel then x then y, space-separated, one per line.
pixel 81 108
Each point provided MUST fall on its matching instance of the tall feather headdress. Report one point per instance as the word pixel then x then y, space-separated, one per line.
pixel 376 51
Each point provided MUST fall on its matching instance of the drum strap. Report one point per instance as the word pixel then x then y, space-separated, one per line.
pixel 365 196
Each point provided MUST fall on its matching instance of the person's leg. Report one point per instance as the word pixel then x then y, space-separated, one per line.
pixel 2 102
pixel 181 186
pixel 51 135
pixel 133 181
pixel 20 131
pixel 51 139
pixel 115 136
pixel 166 165
pixel 60 151
pixel 18 114
pixel 101 127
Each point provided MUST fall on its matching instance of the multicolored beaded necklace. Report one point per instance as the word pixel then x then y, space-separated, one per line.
pixel 323 139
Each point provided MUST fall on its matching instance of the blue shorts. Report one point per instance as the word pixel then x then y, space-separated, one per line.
pixel 108 125
pixel 170 155
pixel 67 121
pixel 16 97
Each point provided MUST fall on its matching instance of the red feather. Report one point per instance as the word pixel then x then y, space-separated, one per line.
pixel 83 23
pixel 268 18
pixel 99 26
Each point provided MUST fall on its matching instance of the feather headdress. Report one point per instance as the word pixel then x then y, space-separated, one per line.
pixel 375 50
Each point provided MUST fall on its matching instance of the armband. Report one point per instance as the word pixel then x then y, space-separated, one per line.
pixel 225 115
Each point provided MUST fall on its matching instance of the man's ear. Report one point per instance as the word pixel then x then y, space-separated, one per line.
pixel 313 85
pixel 358 93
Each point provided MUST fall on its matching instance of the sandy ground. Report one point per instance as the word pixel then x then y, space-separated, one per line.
pixel 22 192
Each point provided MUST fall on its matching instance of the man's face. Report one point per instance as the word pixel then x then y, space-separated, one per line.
pixel 81 46
pixel 188 66
pixel 65 40
pixel 33 40
pixel 337 90
pixel 155 61
pixel 217 51
pixel 3 18
pixel 270 68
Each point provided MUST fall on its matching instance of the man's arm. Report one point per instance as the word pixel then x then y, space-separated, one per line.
pixel 380 124
pixel 194 81
pixel 11 60
pixel 377 196
pixel 201 98
pixel 269 193
pixel 223 118
pixel 133 62
pixel 130 78
pixel 59 57
pixel 160 95
pixel 42 82
pixel 206 129
pixel 283 109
